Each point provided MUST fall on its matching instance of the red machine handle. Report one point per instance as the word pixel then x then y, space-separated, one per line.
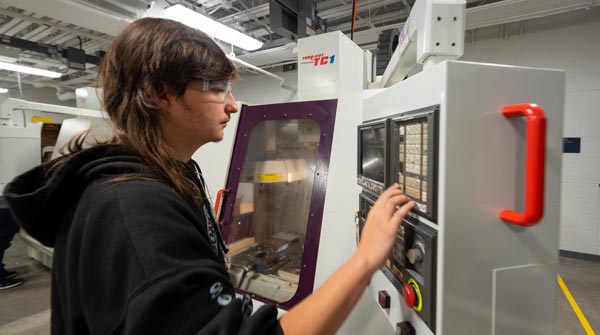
pixel 534 168
pixel 218 203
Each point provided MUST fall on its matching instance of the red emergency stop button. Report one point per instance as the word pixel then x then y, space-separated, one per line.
pixel 410 295
pixel 384 299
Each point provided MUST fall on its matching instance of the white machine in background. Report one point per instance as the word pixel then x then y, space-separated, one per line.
pixel 20 150
pixel 21 146
pixel 449 136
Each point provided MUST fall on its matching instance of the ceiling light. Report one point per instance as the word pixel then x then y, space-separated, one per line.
pixel 213 28
pixel 29 70
pixel 3 90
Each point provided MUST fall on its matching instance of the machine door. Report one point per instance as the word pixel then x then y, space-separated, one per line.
pixel 274 197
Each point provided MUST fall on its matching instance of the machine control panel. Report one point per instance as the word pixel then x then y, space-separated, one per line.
pixel 411 264
pixel 402 149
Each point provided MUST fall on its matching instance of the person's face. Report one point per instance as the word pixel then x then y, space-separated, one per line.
pixel 199 116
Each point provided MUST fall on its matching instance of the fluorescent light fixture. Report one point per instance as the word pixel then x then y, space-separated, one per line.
pixel 3 90
pixel 213 28
pixel 29 70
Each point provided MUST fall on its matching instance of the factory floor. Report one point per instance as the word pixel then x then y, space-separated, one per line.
pixel 25 310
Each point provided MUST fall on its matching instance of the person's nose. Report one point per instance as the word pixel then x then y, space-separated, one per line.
pixel 230 104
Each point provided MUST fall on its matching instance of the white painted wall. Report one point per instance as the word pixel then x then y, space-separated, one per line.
pixel 568 41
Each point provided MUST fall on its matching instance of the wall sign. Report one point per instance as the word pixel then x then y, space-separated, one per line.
pixel 572 145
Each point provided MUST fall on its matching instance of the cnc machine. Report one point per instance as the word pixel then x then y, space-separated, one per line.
pixel 476 146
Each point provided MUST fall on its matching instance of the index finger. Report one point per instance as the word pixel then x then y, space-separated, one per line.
pixel 391 192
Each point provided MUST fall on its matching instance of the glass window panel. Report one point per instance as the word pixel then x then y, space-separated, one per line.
pixel 272 205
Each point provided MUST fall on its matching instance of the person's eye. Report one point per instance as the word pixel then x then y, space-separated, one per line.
pixel 217 87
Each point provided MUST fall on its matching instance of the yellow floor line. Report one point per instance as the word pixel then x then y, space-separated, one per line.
pixel 580 316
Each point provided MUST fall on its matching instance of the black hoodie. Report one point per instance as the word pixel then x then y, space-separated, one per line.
pixel 130 257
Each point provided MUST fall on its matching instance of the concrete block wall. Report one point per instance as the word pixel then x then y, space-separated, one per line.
pixel 580 210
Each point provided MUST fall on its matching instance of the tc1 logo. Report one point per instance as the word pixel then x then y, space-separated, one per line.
pixel 318 59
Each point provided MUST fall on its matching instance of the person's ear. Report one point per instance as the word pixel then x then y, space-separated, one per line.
pixel 160 99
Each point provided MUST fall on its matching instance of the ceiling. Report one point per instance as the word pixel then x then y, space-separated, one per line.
pixel 39 32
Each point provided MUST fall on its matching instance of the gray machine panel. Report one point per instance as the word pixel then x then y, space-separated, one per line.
pixel 485 264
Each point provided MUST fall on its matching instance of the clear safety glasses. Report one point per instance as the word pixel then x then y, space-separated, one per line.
pixel 220 89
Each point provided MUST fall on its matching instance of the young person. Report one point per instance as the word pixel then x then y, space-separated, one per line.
pixel 136 249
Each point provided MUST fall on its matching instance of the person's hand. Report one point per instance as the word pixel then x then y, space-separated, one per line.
pixel 381 228
pixel 332 302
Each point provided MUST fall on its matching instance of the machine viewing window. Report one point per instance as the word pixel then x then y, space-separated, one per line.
pixel 413 159
pixel 271 212
pixel 372 154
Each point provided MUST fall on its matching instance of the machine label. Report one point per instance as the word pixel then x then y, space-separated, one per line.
pixel 318 59
pixel 41 119
pixel 270 177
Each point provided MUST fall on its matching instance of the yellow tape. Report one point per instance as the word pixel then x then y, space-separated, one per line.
pixel 584 322
pixel 41 119
pixel 270 177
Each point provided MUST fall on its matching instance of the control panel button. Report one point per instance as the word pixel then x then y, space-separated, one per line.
pixel 405 328
pixel 384 299
pixel 414 255
pixel 410 295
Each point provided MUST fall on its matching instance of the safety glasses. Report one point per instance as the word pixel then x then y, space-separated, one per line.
pixel 220 89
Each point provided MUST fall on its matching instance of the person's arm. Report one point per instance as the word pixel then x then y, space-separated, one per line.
pixel 324 311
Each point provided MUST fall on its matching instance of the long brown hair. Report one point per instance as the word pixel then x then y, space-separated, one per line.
pixel 154 56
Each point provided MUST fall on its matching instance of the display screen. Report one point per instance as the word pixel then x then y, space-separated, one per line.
pixel 413 158
pixel 373 153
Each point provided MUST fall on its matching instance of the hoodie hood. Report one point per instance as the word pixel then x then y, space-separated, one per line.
pixel 39 202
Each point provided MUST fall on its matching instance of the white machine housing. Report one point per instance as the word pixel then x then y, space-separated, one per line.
pixel 20 146
pixel 329 65
pixel 434 32
pixel 493 277
pixel 19 151
pixel 342 79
